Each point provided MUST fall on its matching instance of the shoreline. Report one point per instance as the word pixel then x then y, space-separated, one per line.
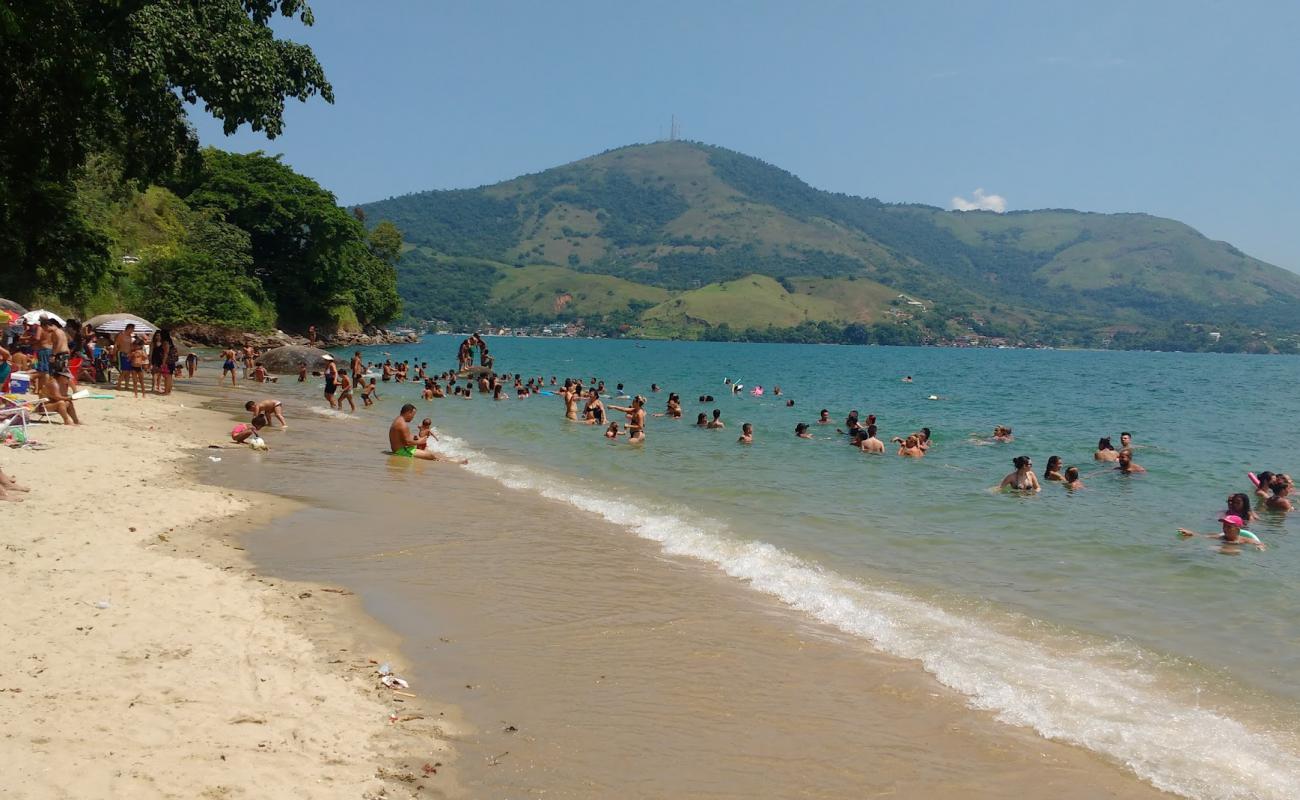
pixel 151 656
pixel 576 679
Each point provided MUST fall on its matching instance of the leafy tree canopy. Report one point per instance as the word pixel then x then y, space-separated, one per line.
pixel 90 76
pixel 312 257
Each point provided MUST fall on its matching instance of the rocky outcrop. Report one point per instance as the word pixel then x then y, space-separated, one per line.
pixel 287 359
pixel 218 336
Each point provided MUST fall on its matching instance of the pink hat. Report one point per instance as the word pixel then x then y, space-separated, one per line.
pixel 1232 519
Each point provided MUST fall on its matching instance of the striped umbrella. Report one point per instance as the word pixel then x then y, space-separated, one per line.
pixel 116 323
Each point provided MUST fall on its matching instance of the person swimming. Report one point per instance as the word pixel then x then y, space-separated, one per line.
pixel 1053 470
pixel 717 422
pixel 1280 500
pixel 824 418
pixel 910 448
pixel 1023 478
pixel 746 434
pixel 1072 481
pixel 1105 450
pixel 1239 504
pixel 1126 465
pixel 1234 532
pixel 702 420
pixel 801 430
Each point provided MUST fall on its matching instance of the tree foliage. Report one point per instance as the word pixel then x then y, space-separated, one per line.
pixel 313 258
pixel 83 77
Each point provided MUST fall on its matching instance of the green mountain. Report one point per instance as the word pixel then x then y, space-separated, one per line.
pixel 681 238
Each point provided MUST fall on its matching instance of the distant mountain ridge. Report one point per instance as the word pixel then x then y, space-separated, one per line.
pixel 684 218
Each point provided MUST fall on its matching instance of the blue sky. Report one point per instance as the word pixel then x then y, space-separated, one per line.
pixel 1182 109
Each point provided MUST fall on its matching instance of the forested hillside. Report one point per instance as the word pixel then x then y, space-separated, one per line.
pixel 690 219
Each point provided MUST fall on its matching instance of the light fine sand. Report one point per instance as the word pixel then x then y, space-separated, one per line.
pixel 199 679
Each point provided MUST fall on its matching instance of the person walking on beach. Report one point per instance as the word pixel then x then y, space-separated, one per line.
pixel 358 370
pixel 268 408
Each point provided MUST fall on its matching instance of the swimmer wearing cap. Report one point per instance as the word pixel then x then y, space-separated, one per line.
pixel 1233 532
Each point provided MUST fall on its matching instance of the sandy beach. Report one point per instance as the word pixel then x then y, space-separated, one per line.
pixel 147 658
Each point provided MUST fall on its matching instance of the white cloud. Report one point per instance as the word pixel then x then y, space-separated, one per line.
pixel 980 201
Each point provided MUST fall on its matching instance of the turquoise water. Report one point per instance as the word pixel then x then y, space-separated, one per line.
pixel 1081 615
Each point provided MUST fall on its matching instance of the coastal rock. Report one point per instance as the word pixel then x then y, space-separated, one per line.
pixel 220 336
pixel 287 359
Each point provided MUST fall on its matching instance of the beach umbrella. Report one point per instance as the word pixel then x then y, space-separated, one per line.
pixel 12 316
pixel 9 305
pixel 33 317
pixel 116 323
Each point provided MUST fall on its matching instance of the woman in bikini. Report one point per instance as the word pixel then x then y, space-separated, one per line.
pixel 1023 479
pixel 635 419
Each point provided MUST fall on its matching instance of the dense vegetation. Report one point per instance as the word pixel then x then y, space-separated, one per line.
pixel 94 97
pixel 685 216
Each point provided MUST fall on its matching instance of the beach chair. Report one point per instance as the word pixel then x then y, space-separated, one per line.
pixel 12 413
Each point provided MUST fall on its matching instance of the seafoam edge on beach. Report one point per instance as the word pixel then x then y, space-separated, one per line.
pixel 148 657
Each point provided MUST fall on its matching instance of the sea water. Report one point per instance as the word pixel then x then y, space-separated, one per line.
pixel 1080 615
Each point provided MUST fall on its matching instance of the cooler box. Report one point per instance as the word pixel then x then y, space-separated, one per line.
pixel 20 383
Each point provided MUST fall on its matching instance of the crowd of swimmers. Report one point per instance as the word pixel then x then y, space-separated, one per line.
pixel 584 402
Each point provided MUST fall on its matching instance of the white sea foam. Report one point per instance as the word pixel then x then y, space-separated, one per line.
pixel 330 412
pixel 1058 688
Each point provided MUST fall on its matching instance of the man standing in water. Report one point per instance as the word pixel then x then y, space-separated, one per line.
pixel 357 370
pixel 871 444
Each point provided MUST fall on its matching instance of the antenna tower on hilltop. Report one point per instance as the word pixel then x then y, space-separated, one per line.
pixel 674 130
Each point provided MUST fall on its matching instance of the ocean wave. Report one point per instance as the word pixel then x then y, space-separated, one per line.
pixel 1103 699
pixel 333 413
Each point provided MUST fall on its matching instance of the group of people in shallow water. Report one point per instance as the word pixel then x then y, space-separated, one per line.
pixel 1272 489
pixel 584 401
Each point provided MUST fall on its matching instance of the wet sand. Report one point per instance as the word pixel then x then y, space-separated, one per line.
pixel 587 664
